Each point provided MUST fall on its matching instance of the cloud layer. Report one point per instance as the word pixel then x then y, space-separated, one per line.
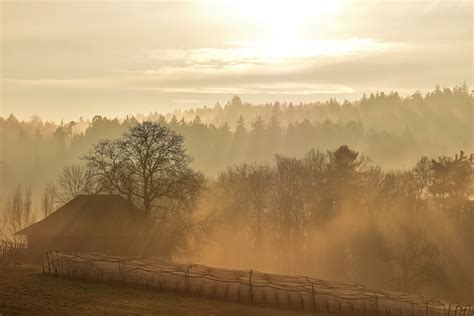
pixel 66 59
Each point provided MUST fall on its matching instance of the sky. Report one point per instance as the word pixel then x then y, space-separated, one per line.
pixel 79 58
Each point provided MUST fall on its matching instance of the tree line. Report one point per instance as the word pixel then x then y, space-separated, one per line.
pixel 332 214
pixel 393 130
pixel 253 196
pixel 336 214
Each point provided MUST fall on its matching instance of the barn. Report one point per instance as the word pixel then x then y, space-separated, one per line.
pixel 107 224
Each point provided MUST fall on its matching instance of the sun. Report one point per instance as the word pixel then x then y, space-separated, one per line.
pixel 280 19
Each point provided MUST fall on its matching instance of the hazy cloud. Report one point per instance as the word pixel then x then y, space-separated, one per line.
pixel 67 57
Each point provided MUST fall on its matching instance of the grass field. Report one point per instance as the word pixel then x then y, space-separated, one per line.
pixel 25 291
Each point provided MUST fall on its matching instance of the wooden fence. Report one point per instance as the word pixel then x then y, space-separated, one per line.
pixel 292 292
pixel 12 251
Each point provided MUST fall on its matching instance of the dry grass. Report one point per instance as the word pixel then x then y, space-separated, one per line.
pixel 25 291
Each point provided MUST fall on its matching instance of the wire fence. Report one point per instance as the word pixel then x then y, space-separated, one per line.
pixel 12 251
pixel 247 286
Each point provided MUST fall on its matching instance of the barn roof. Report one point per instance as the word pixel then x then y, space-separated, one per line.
pixel 93 215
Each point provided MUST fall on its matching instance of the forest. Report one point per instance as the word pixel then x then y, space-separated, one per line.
pixel 393 131
pixel 378 191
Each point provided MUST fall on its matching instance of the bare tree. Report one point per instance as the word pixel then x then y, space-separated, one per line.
pixel 289 211
pixel 247 188
pixel 149 166
pixel 18 212
pixel 48 199
pixel 415 259
pixel 74 180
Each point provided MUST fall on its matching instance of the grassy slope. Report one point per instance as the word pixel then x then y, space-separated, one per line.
pixel 25 291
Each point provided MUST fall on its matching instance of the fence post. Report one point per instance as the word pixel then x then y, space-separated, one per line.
pixel 250 286
pixel 186 278
pixel 376 305
pixel 49 263
pixel 120 271
pixel 314 298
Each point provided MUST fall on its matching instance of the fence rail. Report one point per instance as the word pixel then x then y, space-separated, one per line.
pixel 11 251
pixel 293 292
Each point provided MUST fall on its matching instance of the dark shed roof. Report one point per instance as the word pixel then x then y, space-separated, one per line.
pixel 94 215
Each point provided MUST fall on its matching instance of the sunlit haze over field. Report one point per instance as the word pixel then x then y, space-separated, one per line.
pixel 237 157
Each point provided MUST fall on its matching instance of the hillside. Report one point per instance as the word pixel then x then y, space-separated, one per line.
pixel 25 291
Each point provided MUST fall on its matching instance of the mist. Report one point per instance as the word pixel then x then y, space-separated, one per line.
pixel 380 228
pixel 250 157
pixel 330 189
pixel 437 123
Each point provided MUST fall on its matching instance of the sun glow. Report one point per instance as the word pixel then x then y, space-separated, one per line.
pixel 282 31
pixel 281 19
